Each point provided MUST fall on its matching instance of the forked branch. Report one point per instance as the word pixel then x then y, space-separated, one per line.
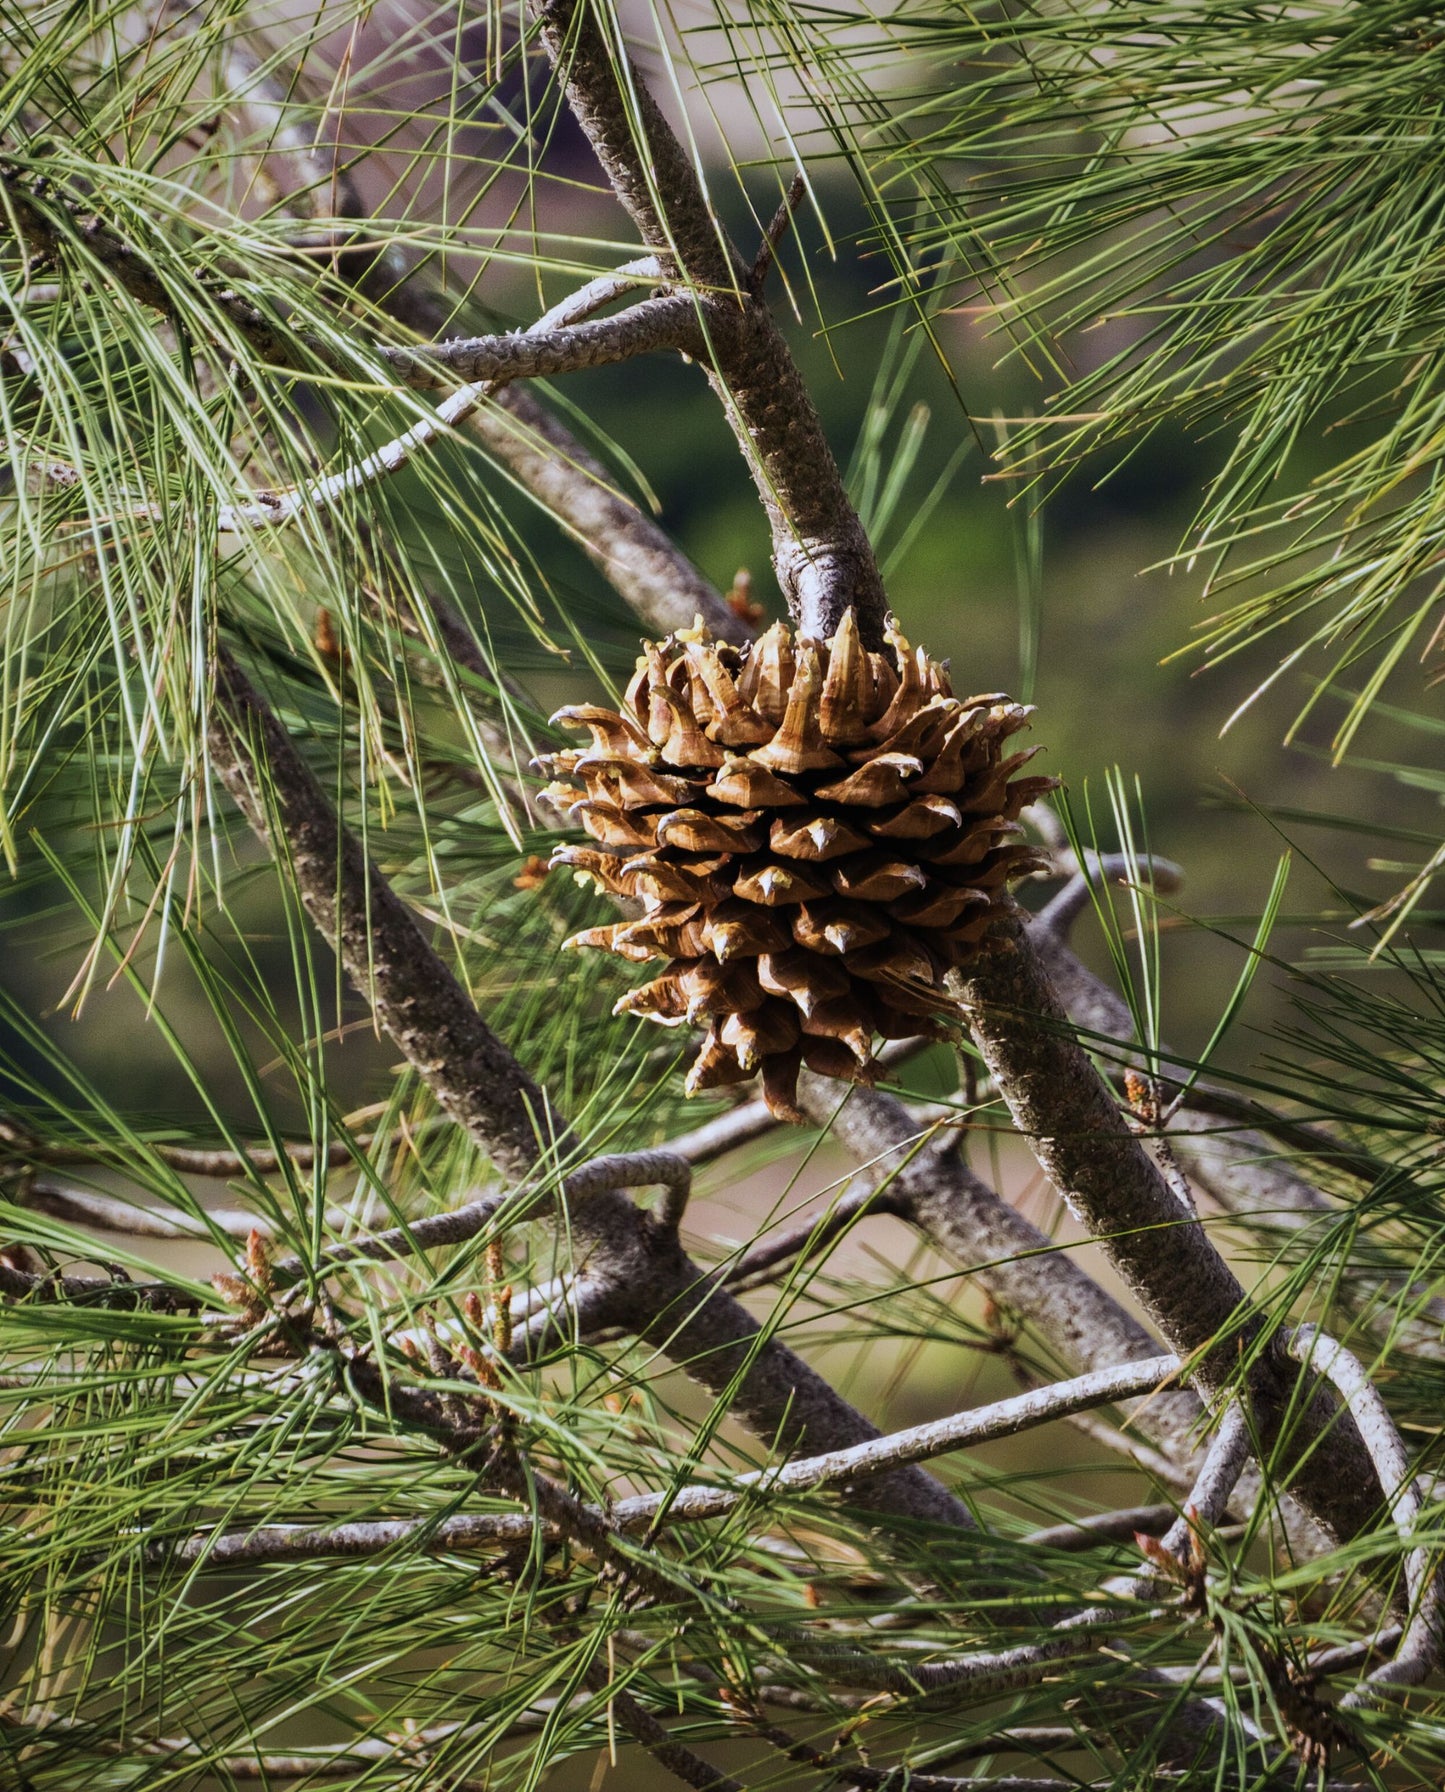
pixel 821 552
pixel 661 1294
pixel 1066 1111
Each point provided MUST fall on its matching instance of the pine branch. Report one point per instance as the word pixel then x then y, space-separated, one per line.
pixel 695 1502
pixel 637 557
pixel 1005 1418
pixel 415 997
pixel 115 1292
pixel 62 227
pixel 1019 1265
pixel 649 325
pixel 771 1259
pixel 621 1270
pixel 1239 1168
pixel 682 1762
pixel 661 1294
pixel 821 552
pixel 1420 1648
pixel 1062 1106
pixel 630 333
pixel 594 80
pixel 600 1175
pixel 1102 1529
pixel 1056 1095
pixel 104 1213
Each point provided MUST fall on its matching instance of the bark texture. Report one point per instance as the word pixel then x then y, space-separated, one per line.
pixel 661 1294
pixel 1061 1104
pixel 821 553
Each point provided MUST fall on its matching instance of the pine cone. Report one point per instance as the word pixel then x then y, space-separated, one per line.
pixel 812 834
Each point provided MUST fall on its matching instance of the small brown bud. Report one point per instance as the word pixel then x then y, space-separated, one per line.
pixel 533 873
pixel 328 643
pixel 1141 1097
pixel 258 1260
pixel 740 598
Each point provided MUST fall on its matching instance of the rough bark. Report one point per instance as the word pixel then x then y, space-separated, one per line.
pixel 821 553
pixel 1066 1111
pixel 663 1296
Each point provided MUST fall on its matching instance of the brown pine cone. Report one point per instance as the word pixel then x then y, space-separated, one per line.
pixel 815 836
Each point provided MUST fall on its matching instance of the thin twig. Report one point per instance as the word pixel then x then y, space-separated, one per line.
pixel 1059 914
pixel 1219 1474
pixel 643 1727
pixel 773 235
pixel 1104 1527
pixel 696 1501
pixel 106 1214
pixel 600 1175
pixel 1218 1477
pixel 215 1163
pixel 599 293
pixel 770 1259
pixel 116 1291
pixel 1419 1652
pixel 57 226
pixel 715 1138
pixel 652 330
pixel 840 1468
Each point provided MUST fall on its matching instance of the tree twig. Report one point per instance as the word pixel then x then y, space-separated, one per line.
pixel 773 235
pixel 646 326
pixel 57 226
pixel 645 566
pixel 1103 1528
pixel 115 1291
pixel 84 1207
pixel 696 1501
pixel 1219 1474
pixel 600 1175
pixel 189 1160
pixel 1418 1654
